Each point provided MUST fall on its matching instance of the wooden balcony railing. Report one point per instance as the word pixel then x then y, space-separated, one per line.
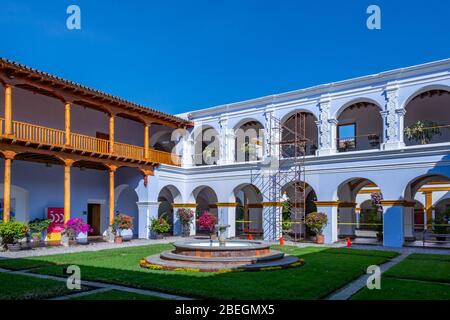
pixel 27 132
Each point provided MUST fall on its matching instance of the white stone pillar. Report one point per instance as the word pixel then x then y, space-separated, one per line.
pixel 327 130
pixel 230 146
pixel 272 221
pixel 393 232
pixel 188 151
pixel 330 208
pixel 227 216
pixel 147 211
pixel 393 121
pixel 408 220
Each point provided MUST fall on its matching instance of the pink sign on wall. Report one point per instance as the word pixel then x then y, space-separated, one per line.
pixel 56 215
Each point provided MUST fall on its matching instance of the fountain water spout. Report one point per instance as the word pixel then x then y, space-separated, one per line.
pixel 222 228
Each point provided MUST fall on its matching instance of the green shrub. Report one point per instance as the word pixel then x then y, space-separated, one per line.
pixel 12 231
pixel 159 225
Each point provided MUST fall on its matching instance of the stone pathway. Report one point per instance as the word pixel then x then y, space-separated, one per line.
pixel 98 287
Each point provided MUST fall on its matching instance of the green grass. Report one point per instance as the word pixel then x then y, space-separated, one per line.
pixel 19 287
pixel 325 271
pixel 425 267
pixel 117 295
pixel 399 289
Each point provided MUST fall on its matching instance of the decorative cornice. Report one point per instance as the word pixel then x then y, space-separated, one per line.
pixel 184 205
pixel 326 203
pixel 227 204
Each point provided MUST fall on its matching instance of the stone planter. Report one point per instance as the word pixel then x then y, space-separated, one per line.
pixel 126 234
pixel 13 247
pixel 65 241
pixel 82 238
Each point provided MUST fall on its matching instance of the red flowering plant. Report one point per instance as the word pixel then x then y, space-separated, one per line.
pixel 75 226
pixel 207 222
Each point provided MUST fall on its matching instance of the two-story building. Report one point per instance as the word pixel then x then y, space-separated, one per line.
pixel 380 136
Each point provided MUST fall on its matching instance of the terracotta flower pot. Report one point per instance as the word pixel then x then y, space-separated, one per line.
pixel 320 239
pixel 118 240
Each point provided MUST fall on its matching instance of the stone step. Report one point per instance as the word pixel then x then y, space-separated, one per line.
pixel 273 255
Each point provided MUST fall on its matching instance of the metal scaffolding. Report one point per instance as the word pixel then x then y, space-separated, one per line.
pixel 281 178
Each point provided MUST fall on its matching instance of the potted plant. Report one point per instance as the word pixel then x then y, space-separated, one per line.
pixel 316 222
pixel 374 140
pixel 75 229
pixel 207 222
pixel 159 226
pixel 185 216
pixel 422 131
pixel 11 232
pixel 124 226
pixel 37 228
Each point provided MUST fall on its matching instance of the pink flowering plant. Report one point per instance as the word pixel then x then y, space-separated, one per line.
pixel 75 226
pixel 185 216
pixel 207 222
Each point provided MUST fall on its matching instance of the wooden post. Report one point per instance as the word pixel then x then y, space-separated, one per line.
pixel 429 208
pixel 67 123
pixel 8 110
pixel 9 155
pixel 146 141
pixel 111 133
pixel 67 165
pixel 112 170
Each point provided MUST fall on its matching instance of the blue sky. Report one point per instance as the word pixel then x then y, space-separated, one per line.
pixel 178 56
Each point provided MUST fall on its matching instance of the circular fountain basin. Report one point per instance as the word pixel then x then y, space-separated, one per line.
pixel 210 256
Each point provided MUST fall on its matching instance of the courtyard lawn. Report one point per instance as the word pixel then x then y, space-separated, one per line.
pixel 117 295
pixel 325 271
pixel 426 267
pixel 418 277
pixel 19 287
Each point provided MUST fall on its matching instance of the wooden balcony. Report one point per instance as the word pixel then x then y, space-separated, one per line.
pixel 43 137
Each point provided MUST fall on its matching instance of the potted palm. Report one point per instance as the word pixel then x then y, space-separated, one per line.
pixel 422 131
pixel 11 232
pixel 158 227
pixel 316 222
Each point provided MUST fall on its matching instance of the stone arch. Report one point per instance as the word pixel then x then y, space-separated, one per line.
pixel 249 218
pixel 292 129
pixel 206 199
pixel 248 133
pixel 206 145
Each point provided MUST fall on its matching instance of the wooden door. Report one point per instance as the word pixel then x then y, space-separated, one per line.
pixel 94 218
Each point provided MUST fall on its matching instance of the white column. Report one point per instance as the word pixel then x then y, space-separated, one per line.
pixel 147 211
pixel 408 221
pixel 272 221
pixel 393 231
pixel 230 146
pixel 330 208
pixel 226 143
pixel 393 121
pixel 327 130
pixel 188 150
pixel 227 216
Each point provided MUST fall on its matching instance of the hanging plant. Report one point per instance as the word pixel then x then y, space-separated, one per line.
pixel 422 131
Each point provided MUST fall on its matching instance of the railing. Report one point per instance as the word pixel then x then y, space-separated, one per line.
pixel 164 157
pixel 87 143
pixel 27 132
pixel 128 151
pixel 426 135
pixel 37 134
pixel 361 142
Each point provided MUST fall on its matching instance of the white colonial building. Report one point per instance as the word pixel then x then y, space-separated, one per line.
pixel 387 133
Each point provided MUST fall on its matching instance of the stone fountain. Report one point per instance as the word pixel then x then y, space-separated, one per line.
pixel 213 256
